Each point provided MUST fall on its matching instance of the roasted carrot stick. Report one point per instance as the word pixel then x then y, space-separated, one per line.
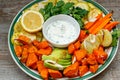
pixel 97 23
pixel 90 24
pixel 54 73
pixel 18 50
pixel 102 25
pixel 111 25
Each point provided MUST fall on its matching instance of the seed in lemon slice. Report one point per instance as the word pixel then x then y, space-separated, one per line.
pixel 32 21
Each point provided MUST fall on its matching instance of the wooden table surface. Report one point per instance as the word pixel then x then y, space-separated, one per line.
pixel 10 71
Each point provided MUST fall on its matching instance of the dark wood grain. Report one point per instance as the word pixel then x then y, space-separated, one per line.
pixel 10 71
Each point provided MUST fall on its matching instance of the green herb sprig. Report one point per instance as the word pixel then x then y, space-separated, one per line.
pixel 64 8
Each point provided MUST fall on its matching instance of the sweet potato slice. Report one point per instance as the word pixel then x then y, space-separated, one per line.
pixel 55 73
pixel 71 49
pixel 40 66
pixel 93 68
pixel 46 51
pixel 24 55
pixel 32 59
pixel 91 59
pixel 44 73
pixel 77 45
pixel 83 70
pixel 72 70
pixel 80 54
pixel 18 50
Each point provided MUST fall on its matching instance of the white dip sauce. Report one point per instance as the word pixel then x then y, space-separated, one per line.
pixel 61 32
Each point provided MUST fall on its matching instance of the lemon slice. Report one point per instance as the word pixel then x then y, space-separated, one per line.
pixel 83 5
pixel 32 21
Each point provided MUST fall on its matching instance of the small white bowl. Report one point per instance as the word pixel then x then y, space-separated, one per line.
pixel 61 30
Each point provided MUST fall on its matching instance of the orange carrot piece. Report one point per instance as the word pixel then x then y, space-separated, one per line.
pixel 83 70
pixel 71 49
pixel 90 24
pixel 91 59
pixel 24 39
pixel 32 59
pixel 54 73
pixel 93 68
pixel 80 54
pixel 40 66
pixel 72 70
pixel 44 73
pixel 18 51
pixel 77 45
pixel 111 25
pixel 98 22
pixel 101 26
pixel 24 55
pixel 46 51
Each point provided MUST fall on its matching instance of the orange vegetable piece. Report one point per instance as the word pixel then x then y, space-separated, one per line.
pixel 32 59
pixel 46 51
pixel 90 24
pixel 93 68
pixel 101 26
pixel 111 25
pixel 24 55
pixel 82 35
pixel 77 45
pixel 40 66
pixel 71 49
pixel 23 39
pixel 82 70
pixel 55 73
pixel 91 59
pixel 43 45
pixel 98 22
pixel 18 50
pixel 84 61
pixel 80 54
pixel 44 73
pixel 101 56
pixel 34 66
pixel 72 70
pixel 36 43
pixel 32 49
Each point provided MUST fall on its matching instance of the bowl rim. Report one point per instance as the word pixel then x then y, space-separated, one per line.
pixel 36 75
pixel 61 17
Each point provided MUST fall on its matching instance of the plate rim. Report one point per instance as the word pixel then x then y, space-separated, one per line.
pixel 37 76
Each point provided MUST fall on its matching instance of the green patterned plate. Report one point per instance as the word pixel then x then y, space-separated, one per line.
pixel 111 51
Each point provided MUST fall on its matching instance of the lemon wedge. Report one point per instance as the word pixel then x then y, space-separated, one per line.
pixel 32 21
